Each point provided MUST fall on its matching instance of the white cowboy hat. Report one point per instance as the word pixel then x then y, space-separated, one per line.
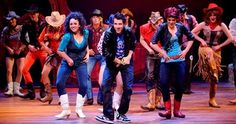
pixel 55 19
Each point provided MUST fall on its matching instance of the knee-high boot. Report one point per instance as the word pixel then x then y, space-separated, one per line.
pixel 116 100
pixel 151 101
pixel 233 101
pixel 167 112
pixel 9 89
pixel 79 105
pixel 48 98
pixel 65 107
pixel 177 112
pixel 212 93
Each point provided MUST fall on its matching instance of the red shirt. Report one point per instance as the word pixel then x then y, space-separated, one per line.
pixel 147 31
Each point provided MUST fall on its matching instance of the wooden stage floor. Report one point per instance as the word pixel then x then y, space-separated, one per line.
pixel 195 106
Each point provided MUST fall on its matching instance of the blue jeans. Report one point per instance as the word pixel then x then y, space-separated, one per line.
pixel 109 77
pixel 165 73
pixel 153 72
pixel 64 73
pixel 92 61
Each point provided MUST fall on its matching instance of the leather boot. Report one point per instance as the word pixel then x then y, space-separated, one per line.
pixel 65 107
pixel 48 98
pixel 79 105
pixel 233 101
pixel 158 100
pixel 17 89
pixel 151 99
pixel 31 92
pixel 167 112
pixel 212 101
pixel 177 112
pixel 9 89
pixel 42 92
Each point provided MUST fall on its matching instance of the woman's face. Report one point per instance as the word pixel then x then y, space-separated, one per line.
pixel 171 21
pixel 212 17
pixel 74 25
pixel 12 22
pixel 34 16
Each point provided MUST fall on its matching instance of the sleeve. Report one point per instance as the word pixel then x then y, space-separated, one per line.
pixel 106 47
pixel 188 33
pixel 64 42
pixel 133 41
pixel 42 35
pixel 99 46
pixel 157 35
pixel 3 35
pixel 232 27
pixel 23 35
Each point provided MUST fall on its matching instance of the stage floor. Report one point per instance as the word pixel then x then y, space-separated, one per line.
pixel 195 106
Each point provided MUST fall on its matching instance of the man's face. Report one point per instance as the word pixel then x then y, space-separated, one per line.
pixel 96 19
pixel 118 25
pixel 13 22
pixel 35 16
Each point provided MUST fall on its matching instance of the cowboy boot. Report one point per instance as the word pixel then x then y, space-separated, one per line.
pixel 65 107
pixel 79 105
pixel 48 98
pixel 151 99
pixel 42 92
pixel 31 92
pixel 17 89
pixel 116 101
pixel 233 101
pixel 9 89
pixel 212 101
pixel 167 112
pixel 177 112
pixel 158 100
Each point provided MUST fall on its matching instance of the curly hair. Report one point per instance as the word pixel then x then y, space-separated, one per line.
pixel 214 12
pixel 77 16
pixel 171 12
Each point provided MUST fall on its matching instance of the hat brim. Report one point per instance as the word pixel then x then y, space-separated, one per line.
pixel 11 17
pixel 59 22
pixel 205 10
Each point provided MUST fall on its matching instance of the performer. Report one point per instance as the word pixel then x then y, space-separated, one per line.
pixel 96 28
pixel 210 49
pixel 15 53
pixel 32 27
pixel 50 39
pixel 75 53
pixel 152 62
pixel 190 22
pixel 118 46
pixel 232 28
pixel 169 35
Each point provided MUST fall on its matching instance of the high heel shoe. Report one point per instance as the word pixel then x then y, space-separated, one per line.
pixel 214 105
pixel 63 115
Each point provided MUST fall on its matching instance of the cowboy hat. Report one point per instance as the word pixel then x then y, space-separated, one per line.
pixel 155 16
pixel 11 15
pixel 213 6
pixel 97 12
pixel 182 8
pixel 55 19
pixel 33 8
pixel 126 11
pixel 109 21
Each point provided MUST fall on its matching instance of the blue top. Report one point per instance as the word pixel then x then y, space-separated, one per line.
pixel 76 51
pixel 171 44
pixel 120 47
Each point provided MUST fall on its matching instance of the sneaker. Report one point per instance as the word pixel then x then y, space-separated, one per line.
pixel 122 118
pixel 104 119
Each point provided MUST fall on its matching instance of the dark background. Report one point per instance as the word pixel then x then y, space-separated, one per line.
pixel 140 8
